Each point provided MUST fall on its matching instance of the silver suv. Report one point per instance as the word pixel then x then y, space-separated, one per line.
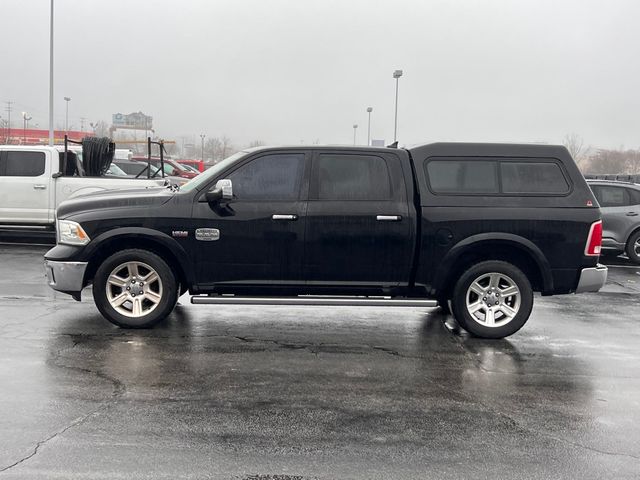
pixel 620 207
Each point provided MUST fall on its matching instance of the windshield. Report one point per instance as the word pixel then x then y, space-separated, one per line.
pixel 201 180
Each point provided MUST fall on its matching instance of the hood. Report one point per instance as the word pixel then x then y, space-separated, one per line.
pixel 109 199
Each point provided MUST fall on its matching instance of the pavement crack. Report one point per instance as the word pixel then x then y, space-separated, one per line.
pixel 118 390
pixel 76 422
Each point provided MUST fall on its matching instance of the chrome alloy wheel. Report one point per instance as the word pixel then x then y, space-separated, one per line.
pixel 134 289
pixel 493 299
pixel 636 247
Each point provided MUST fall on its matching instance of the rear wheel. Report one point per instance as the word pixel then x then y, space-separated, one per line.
pixel 633 247
pixel 492 299
pixel 135 289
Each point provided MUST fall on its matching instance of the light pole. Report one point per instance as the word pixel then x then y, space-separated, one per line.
pixel 397 74
pixel 202 135
pixel 51 76
pixel 355 129
pixel 66 120
pixel 25 119
pixel 369 110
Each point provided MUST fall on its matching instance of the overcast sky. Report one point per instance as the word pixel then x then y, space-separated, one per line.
pixel 286 71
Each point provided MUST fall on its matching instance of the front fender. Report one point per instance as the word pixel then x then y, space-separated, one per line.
pixel 482 239
pixel 143 235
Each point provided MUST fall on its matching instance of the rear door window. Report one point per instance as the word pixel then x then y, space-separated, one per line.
pixel 612 196
pixel 22 164
pixel 350 177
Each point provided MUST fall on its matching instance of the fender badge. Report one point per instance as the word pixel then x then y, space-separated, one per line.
pixel 207 234
pixel 179 233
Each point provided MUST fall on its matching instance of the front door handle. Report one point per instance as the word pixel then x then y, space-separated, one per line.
pixel 632 214
pixel 284 217
pixel 39 186
pixel 388 218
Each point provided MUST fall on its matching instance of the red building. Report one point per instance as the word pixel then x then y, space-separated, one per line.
pixel 32 136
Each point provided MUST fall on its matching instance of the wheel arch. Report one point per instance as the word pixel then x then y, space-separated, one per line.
pixel 159 243
pixel 632 231
pixel 511 248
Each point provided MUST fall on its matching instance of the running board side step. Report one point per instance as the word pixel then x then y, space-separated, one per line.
pixel 311 300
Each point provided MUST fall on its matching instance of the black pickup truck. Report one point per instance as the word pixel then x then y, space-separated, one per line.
pixel 476 228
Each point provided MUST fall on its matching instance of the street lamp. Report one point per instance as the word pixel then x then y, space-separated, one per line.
pixel 355 129
pixel 202 135
pixel 25 119
pixel 397 74
pixel 51 76
pixel 369 110
pixel 66 121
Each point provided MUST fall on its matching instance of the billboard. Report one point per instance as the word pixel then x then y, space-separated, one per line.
pixel 136 120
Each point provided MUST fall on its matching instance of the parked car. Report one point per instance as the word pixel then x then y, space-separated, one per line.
pixel 481 226
pixel 139 169
pixel 171 167
pixel 620 207
pixel 34 180
pixel 115 171
pixel 191 169
pixel 196 164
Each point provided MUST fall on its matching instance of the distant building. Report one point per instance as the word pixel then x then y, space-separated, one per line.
pixel 32 136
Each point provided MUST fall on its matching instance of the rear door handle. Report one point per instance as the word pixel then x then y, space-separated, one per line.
pixel 39 186
pixel 284 217
pixel 632 214
pixel 388 218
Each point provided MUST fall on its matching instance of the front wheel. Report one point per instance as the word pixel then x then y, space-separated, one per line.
pixel 492 299
pixel 135 289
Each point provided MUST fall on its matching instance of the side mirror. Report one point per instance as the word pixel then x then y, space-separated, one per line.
pixel 222 191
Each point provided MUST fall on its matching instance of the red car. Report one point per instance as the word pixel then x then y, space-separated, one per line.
pixel 171 167
pixel 197 164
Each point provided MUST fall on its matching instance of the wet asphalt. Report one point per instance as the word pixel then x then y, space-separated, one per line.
pixel 315 392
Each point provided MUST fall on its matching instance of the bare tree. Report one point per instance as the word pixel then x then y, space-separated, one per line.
pixel 212 148
pixel 575 145
pixel 256 143
pixel 226 147
pixel 101 129
pixel 615 162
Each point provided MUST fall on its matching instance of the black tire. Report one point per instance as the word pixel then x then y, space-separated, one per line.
pixel 633 255
pixel 521 302
pixel 158 297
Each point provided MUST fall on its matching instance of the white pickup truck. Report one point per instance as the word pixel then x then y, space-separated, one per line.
pixel 33 184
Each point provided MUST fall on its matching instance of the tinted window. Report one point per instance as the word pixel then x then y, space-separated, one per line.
pixel 529 177
pixel 610 196
pixel 351 177
pixel 634 196
pixel 23 164
pixel 463 176
pixel 272 177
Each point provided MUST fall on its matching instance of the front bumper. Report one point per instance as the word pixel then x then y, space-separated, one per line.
pixel 592 279
pixel 65 276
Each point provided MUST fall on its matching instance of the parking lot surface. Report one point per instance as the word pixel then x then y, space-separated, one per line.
pixel 315 392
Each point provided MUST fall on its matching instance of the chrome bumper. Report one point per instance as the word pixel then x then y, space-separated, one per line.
pixel 592 279
pixel 65 276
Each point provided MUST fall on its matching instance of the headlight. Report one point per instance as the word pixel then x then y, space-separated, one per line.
pixel 71 233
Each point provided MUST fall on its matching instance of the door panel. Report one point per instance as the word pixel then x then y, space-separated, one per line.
pixel 261 231
pixel 358 226
pixel 25 179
